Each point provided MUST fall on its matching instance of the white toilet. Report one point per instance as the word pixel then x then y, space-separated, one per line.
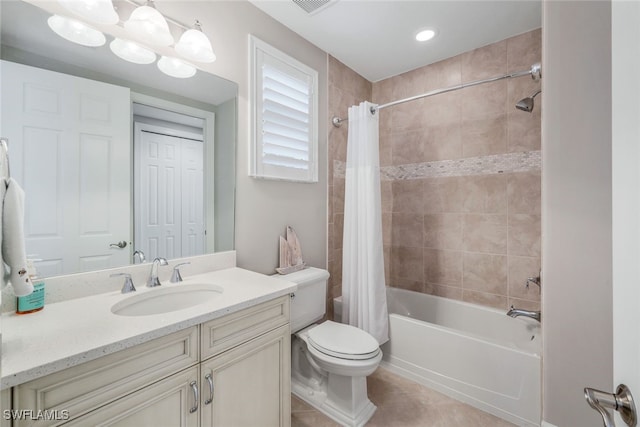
pixel 329 361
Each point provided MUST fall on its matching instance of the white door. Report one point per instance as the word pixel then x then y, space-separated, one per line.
pixel 626 196
pixel 169 209
pixel 625 206
pixel 192 198
pixel 70 151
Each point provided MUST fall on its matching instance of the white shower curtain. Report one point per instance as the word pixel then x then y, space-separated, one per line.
pixel 363 287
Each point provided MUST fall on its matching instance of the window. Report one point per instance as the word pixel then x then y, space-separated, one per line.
pixel 284 106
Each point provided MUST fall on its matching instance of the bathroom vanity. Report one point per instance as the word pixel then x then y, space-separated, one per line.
pixel 222 362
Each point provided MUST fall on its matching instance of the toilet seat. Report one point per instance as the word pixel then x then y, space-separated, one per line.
pixel 343 341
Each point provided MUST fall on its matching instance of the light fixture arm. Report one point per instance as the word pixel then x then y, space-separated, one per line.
pixel 152 3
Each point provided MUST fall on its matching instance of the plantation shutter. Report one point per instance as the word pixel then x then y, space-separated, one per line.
pixel 285 104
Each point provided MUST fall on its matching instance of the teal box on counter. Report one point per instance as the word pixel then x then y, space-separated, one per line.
pixel 34 301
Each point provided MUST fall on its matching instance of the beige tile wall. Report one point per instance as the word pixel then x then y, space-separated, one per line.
pixel 473 238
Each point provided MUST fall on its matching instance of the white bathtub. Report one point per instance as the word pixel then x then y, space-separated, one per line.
pixel 472 353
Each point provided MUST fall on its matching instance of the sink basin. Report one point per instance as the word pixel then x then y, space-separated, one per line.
pixel 166 300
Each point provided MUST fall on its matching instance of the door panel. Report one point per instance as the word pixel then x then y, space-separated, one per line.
pixel 626 196
pixel 259 371
pixel 169 194
pixel 78 195
pixel 167 403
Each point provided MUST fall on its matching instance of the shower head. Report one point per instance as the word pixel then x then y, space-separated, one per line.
pixel 526 104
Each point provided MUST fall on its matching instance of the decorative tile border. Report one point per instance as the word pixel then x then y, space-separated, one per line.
pixel 484 165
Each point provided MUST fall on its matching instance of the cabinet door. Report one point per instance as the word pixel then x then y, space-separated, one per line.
pixel 88 386
pixel 5 404
pixel 249 385
pixel 167 403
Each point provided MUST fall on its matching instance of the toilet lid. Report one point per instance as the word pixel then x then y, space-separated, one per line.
pixel 343 341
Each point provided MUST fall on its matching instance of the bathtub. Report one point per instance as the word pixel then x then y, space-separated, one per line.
pixel 475 354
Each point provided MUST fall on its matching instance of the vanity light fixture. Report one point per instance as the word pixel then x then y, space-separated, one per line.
pixel 146 23
pixel 175 67
pixel 425 35
pixel 98 11
pixel 76 31
pixel 132 52
pixel 195 45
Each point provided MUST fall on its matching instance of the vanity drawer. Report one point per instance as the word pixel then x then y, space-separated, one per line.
pixel 85 387
pixel 226 332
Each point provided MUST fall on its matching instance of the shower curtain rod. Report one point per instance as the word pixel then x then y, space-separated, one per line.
pixel 534 71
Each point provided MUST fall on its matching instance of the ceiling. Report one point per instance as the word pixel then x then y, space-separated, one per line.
pixel 376 38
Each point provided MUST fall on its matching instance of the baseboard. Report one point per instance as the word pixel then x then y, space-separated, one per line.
pixel 546 424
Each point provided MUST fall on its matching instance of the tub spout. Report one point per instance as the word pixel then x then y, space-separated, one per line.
pixel 516 312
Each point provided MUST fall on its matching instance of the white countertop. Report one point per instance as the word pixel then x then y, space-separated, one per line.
pixel 68 333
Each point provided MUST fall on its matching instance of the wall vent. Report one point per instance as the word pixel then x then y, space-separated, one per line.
pixel 313 6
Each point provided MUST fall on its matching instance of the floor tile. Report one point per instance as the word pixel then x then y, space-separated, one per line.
pixel 403 403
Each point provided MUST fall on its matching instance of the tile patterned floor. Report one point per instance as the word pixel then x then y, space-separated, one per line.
pixel 403 403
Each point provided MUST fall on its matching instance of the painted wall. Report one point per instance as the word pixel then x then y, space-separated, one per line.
pixel 264 208
pixel 576 205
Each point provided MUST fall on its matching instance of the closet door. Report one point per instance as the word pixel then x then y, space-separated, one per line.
pixel 70 151
pixel 157 201
pixel 169 206
pixel 192 198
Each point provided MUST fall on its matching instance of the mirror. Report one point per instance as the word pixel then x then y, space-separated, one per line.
pixel 169 190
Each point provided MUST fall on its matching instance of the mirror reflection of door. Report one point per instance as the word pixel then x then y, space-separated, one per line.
pixel 70 152
pixel 169 210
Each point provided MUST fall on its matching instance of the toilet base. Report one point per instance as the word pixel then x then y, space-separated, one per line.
pixel 344 400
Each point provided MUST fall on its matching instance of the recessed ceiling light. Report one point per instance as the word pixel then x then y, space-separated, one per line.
pixel 425 35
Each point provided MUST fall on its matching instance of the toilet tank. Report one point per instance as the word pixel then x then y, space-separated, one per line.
pixel 309 303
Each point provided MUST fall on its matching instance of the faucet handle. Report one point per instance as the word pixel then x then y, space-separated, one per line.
pixel 176 277
pixel 534 280
pixel 128 283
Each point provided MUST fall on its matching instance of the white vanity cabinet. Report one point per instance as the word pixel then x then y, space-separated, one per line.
pixel 247 382
pixel 249 385
pixel 169 402
pixel 231 371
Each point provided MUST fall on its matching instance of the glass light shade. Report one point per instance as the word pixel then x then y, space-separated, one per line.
pixel 98 11
pixel 175 67
pixel 132 52
pixel 147 24
pixel 195 46
pixel 76 31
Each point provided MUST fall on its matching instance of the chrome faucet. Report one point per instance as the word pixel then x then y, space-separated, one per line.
pixel 140 256
pixel 176 277
pixel 516 312
pixel 153 280
pixel 128 283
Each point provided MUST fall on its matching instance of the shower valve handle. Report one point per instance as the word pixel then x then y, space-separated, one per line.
pixel 534 280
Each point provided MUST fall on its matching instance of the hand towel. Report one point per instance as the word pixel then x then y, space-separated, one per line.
pixel 13 246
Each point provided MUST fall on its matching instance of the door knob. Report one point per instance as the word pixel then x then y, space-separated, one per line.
pixel 122 244
pixel 621 401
